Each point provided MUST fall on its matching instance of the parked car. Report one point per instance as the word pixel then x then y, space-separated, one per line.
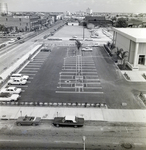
pixel 11 90
pixel 94 36
pixel 28 120
pixel 25 77
pixel 45 49
pixel 22 41
pixel 88 39
pixel 17 81
pixel 95 45
pixel 87 49
pixel 7 97
pixel 74 36
pixel 68 121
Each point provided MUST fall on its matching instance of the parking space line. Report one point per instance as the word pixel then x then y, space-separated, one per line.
pixel 80 92
pixel 32 68
pixel 28 71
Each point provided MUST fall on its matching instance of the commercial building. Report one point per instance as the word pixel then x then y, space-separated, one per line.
pixel 97 20
pixel 132 40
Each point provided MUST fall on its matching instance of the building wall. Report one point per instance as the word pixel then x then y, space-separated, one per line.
pixel 122 42
pixel 10 21
pixel 142 49
pixel 131 52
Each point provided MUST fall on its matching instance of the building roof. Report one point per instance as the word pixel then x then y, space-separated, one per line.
pixel 134 34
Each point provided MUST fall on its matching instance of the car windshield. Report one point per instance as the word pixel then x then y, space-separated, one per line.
pixel 81 70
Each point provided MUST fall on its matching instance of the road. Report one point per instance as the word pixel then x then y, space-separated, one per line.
pixel 102 135
pixel 11 54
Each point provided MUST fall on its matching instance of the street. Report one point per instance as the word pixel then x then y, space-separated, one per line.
pixel 99 135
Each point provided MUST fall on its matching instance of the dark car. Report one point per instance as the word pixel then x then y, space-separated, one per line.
pixel 45 50
pixel 28 120
pixel 68 121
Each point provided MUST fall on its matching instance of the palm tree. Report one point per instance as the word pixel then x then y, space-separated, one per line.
pixel 78 44
pixel 119 52
pixel 123 58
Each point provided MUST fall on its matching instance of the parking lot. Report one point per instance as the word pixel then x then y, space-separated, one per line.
pixel 64 76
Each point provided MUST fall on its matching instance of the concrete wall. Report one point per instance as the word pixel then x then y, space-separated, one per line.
pixel 122 42
pixel 142 49
pixel 131 52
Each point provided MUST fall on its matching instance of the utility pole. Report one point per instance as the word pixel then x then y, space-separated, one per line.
pixel 84 139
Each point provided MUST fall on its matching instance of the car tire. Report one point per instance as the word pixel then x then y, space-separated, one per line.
pixel 34 124
pixel 57 125
pixel 18 124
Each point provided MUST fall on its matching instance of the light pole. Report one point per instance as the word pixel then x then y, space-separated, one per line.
pixel 84 139
pixel 83 32
pixel 21 113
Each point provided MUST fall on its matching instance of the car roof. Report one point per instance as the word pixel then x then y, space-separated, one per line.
pixel 70 118
pixel 11 87
pixel 16 74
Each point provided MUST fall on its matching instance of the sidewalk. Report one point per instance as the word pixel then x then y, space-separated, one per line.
pixel 135 76
pixel 94 114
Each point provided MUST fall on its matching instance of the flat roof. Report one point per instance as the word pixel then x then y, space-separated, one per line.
pixel 134 34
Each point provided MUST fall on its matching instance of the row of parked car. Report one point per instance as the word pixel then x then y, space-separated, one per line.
pixel 12 93
pixel 71 121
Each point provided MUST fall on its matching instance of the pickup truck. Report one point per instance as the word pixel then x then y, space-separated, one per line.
pixel 68 121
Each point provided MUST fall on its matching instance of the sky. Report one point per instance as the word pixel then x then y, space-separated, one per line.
pixel 131 6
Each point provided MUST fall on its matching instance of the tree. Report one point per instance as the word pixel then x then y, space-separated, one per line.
pixel 78 44
pixel 121 23
pixel 123 58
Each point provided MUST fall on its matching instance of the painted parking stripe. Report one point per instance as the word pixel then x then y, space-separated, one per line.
pixel 32 68
pixel 83 87
pixel 29 71
pixel 80 92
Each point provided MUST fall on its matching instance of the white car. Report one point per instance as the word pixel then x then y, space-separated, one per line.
pixel 95 45
pixel 17 81
pixel 11 90
pixel 7 97
pixel 74 36
pixel 89 39
pixel 87 49
pixel 94 36
pixel 25 77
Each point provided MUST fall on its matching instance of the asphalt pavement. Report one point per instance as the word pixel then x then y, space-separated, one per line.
pixel 98 114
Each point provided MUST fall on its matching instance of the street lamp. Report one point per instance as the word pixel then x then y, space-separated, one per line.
pixel 21 113
pixel 84 139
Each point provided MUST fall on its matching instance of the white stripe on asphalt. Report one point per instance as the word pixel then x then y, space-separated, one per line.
pixel 79 92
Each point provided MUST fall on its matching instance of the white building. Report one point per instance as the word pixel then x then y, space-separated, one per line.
pixel 89 11
pixel 3 8
pixel 132 40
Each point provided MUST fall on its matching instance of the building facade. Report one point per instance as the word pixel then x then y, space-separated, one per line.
pixel 97 20
pixel 132 40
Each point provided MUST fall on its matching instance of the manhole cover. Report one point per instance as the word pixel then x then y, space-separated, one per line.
pixel 126 145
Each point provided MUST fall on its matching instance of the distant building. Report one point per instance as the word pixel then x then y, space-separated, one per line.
pixel 97 20
pixel 132 40
pixel 22 23
pixel 3 8
pixel 88 11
